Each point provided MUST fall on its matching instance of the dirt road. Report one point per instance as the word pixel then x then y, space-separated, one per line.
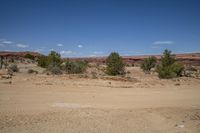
pixel 60 104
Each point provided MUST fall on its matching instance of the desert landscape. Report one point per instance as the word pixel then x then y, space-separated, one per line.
pixel 137 102
pixel 100 66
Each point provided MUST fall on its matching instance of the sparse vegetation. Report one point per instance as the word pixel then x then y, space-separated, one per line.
pixel 74 67
pixel 43 61
pixel 51 62
pixel 169 68
pixel 13 68
pixel 29 56
pixel 148 64
pixel 54 70
pixel 115 65
pixel 52 59
pixel 30 71
pixel 177 68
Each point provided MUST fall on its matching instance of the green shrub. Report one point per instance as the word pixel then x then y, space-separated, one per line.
pixel 74 67
pixel 177 68
pixel 165 72
pixel 13 67
pixel 51 62
pixel 54 70
pixel 52 59
pixel 43 61
pixel 32 71
pixel 115 65
pixel 148 63
pixel 169 68
pixel 29 56
pixel 167 59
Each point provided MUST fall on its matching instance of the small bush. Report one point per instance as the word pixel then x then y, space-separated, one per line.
pixel 52 59
pixel 13 67
pixel 75 67
pixel 148 63
pixel 115 65
pixel 43 61
pixel 29 56
pixel 177 68
pixel 32 71
pixel 172 71
pixel 169 68
pixel 55 70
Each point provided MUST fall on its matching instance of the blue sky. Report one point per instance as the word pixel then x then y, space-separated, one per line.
pixel 77 28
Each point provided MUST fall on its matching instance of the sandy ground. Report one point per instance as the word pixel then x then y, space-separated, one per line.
pixel 70 104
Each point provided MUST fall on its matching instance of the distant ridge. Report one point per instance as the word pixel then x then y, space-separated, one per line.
pixel 187 58
pixel 19 54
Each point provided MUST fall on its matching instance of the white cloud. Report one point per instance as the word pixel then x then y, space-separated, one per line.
pixel 80 46
pixel 98 52
pixel 160 44
pixel 163 42
pixel 22 45
pixel 7 42
pixel 66 52
pixel 59 45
